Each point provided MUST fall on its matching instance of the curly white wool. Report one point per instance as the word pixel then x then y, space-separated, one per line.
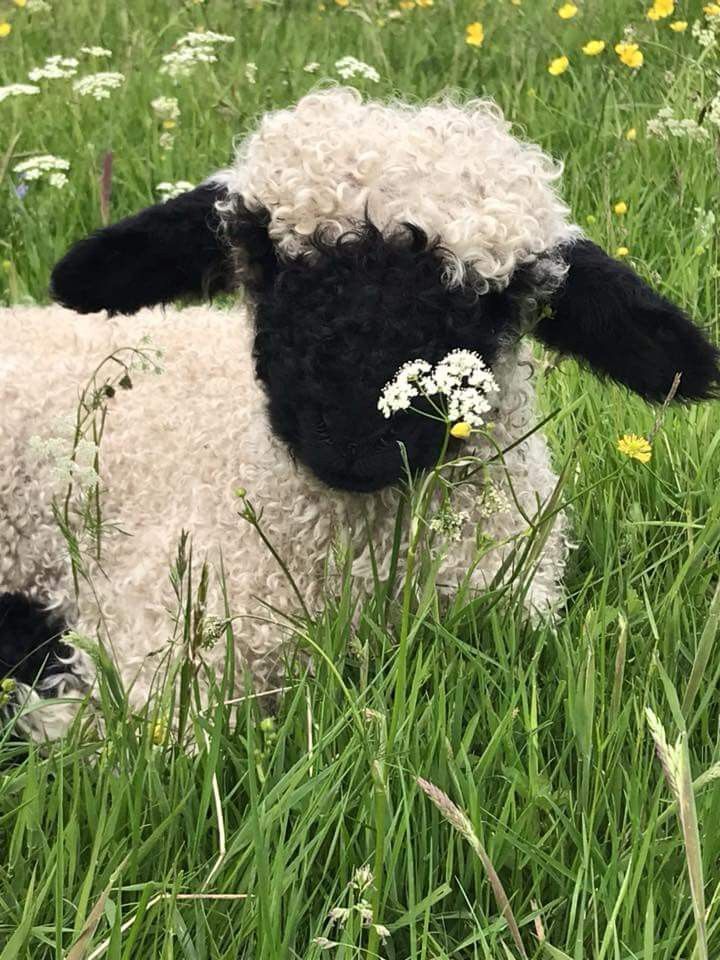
pixel 453 169
pixel 175 449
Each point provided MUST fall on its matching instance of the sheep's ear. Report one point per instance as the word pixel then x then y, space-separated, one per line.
pixel 605 315
pixel 166 252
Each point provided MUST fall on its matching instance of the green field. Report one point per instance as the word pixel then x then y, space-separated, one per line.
pixel 129 846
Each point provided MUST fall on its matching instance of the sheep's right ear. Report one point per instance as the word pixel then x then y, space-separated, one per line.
pixel 169 251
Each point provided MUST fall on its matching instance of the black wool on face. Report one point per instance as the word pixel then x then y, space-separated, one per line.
pixel 606 316
pixel 30 639
pixel 337 324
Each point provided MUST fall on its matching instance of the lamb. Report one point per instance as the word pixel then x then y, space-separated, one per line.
pixel 364 235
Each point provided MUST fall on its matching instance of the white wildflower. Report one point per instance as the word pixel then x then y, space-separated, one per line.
pixel 713 114
pixel 18 90
pixel 36 168
pixel 54 68
pixel 449 523
pixel 251 73
pixel 339 915
pixel 311 67
pixel 98 85
pixel 704 224
pixel 707 32
pixel 166 108
pixel 381 931
pixel 36 6
pixel 349 67
pixel 98 52
pixel 166 140
pixel 492 500
pixel 665 125
pixel 364 908
pixel 169 190
pixel 66 467
pixel 193 48
pixel 325 944
pixel 461 376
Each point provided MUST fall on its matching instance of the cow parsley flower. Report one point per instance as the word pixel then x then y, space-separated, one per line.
pixel 461 377
pixel 169 190
pixel 44 165
pixel 167 108
pixel 18 90
pixel 666 125
pixel 350 67
pixel 311 67
pixel 98 52
pixel 251 73
pixel 98 85
pixel 76 467
pixel 54 68
pixel 449 523
pixel 191 49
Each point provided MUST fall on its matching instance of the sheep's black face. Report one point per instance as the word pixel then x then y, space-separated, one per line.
pixel 334 326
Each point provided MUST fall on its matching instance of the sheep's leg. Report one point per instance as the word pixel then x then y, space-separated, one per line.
pixel 43 678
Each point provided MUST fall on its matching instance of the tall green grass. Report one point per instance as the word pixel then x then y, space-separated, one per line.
pixel 126 843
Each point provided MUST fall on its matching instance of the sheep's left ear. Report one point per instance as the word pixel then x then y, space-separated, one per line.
pixel 605 315
pixel 166 252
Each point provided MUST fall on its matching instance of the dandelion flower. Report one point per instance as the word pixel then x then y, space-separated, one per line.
pixel 5 28
pixel 630 54
pixel 635 447
pixel 558 66
pixel 593 47
pixel 567 11
pixel 679 26
pixel 622 252
pixel 461 430
pixel 620 208
pixel 475 34
pixel 631 135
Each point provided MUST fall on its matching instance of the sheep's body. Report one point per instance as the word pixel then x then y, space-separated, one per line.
pixel 175 449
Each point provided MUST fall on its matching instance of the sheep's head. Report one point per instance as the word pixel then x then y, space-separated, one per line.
pixel 368 235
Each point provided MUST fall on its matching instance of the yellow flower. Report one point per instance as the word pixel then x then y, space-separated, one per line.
pixel 630 54
pixel 593 47
pixel 558 65
pixel 567 11
pixel 461 430
pixel 168 124
pixel 6 264
pixel 406 4
pixel 631 135
pixel 590 219
pixel 159 733
pixel 622 252
pixel 474 34
pixel 661 9
pixel 638 448
pixel 19 3
pixel 712 9
pixel 679 26
pixel 516 3
pixel 5 28
pixel 425 3
pixel 620 208
pixel 342 3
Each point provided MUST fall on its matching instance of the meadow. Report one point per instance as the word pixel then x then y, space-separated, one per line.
pixel 490 789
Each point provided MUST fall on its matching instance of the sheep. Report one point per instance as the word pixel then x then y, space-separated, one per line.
pixel 364 235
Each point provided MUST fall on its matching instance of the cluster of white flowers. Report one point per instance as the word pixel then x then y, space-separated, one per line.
pixel 666 125
pixel 449 523
pixel 707 32
pixel 195 47
pixel 350 67
pixel 36 168
pixel 492 500
pixel 713 113
pixel 167 108
pixel 18 90
pixel 251 73
pixel 704 224
pixel 311 67
pixel 54 68
pixel 98 85
pixel 169 190
pixel 66 468
pixel 98 52
pixel 462 377
pixel 37 6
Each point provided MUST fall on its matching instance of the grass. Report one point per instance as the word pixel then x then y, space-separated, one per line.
pixel 128 845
